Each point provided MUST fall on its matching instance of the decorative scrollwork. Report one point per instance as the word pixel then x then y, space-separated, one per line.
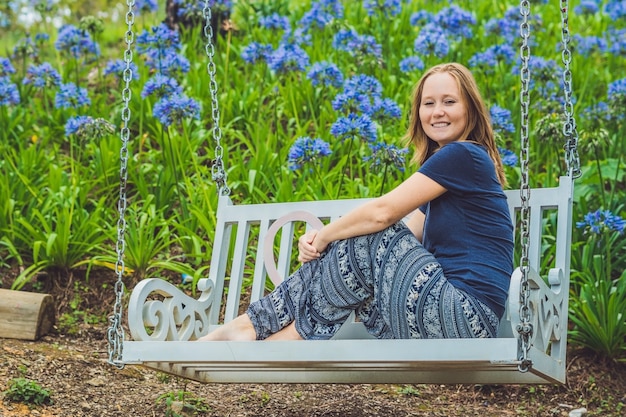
pixel 548 308
pixel 159 311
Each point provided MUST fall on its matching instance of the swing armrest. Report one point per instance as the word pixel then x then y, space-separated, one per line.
pixel 160 311
pixel 548 305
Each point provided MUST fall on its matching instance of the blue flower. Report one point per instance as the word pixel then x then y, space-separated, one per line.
pixel 587 7
pixel 148 6
pixel 43 75
pixel 74 123
pixel 492 57
pixel 86 127
pixel 306 150
pixel 508 26
pixel 118 66
pixel 455 22
pixel 160 41
pixel 349 40
pixel 173 109
pixel 617 41
pixel 509 158
pixel 354 127
pixel 365 84
pixel 321 14
pixel 421 18
pixel 615 9
pixel 169 63
pixel 288 57
pixel 501 119
pixel 386 155
pixel 256 52
pixel 325 73
pixel 275 21
pixel 8 92
pixel 585 45
pixel 547 76
pixel 71 96
pixel 385 108
pixel 597 113
pixel 601 221
pixel 617 98
pixel 161 86
pixel 358 95
pixel 411 63
pixel 387 8
pixel 76 42
pixel 350 101
pixel 6 67
pixel 432 41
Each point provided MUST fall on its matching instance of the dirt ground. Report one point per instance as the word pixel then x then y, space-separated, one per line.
pixel 74 369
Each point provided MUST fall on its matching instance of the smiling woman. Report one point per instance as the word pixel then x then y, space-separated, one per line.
pixel 413 279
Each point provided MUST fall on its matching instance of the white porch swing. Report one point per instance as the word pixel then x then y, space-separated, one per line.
pixel 532 339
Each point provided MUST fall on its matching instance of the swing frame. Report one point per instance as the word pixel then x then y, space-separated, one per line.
pixel 164 329
pixel 164 322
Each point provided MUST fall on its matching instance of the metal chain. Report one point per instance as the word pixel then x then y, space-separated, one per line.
pixel 218 172
pixel 115 332
pixel 524 328
pixel 569 125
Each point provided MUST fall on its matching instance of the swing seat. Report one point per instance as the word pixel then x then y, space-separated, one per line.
pixel 165 322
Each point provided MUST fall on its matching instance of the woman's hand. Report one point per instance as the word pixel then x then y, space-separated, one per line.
pixel 306 251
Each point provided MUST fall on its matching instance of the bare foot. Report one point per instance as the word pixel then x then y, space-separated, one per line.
pixel 240 328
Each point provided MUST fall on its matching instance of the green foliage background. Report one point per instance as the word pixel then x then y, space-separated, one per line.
pixel 59 209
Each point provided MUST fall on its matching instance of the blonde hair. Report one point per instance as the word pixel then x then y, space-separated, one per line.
pixel 478 127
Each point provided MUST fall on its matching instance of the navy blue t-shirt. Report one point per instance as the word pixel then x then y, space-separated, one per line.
pixel 468 228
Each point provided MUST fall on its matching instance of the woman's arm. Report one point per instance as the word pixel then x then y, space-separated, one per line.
pixel 380 213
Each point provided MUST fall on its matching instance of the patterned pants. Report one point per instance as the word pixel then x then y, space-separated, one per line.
pixel 395 286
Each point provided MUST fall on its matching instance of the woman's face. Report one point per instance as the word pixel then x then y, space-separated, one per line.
pixel 442 112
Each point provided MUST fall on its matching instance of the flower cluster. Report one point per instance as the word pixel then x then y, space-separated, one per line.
pixel 349 40
pixel 162 49
pixel 600 221
pixel 86 127
pixel 509 158
pixel 42 76
pixel 76 42
pixel 492 57
pixel 387 8
pixel 326 74
pixel 305 150
pixel 321 14
pixel 117 67
pixel 6 67
pixel 173 109
pixel 70 96
pixel 386 155
pixel 501 120
pixel 8 92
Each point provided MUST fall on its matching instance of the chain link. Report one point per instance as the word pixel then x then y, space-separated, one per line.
pixel 218 172
pixel 115 332
pixel 524 328
pixel 569 125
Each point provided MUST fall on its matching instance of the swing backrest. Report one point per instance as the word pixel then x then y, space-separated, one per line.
pixel 255 245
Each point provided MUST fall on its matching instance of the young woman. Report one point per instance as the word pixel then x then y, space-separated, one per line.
pixel 443 273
